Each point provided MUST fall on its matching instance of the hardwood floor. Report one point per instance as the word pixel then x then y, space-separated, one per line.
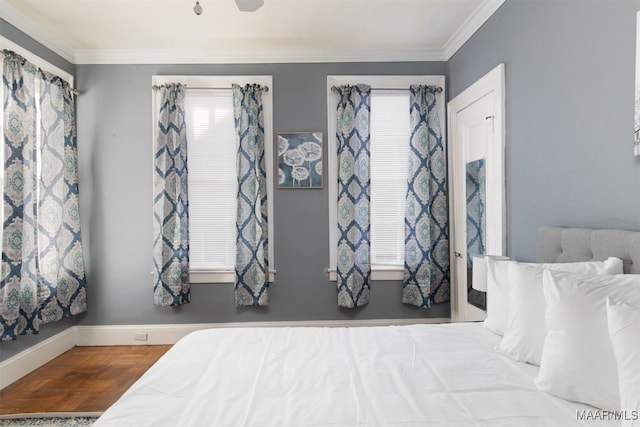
pixel 84 379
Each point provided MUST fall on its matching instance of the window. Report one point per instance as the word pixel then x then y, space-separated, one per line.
pixel 212 147
pixel 39 62
pixel 390 133
pixel 212 165
pixel 389 147
pixel 45 65
pixel 40 214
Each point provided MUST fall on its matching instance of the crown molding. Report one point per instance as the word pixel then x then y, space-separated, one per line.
pixel 251 56
pixel 468 28
pixel 22 22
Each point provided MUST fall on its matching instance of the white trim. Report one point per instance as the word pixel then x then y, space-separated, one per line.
pixel 389 273
pixel 478 17
pixel 216 277
pixel 491 83
pixel 380 82
pixel 32 358
pixel 249 56
pixel 170 334
pixel 35 31
pixel 219 277
pixel 5 43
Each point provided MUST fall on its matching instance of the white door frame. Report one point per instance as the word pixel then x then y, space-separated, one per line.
pixel 492 83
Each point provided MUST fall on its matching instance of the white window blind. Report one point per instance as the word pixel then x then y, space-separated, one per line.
pixel 390 133
pixel 211 152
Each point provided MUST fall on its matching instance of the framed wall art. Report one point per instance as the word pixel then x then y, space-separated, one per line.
pixel 300 159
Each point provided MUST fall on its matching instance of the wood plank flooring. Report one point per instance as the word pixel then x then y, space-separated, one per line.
pixel 84 379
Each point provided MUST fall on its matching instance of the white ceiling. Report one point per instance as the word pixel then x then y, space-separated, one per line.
pixel 167 31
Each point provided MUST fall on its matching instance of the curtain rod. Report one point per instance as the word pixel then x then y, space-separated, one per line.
pixel 156 87
pixel 438 89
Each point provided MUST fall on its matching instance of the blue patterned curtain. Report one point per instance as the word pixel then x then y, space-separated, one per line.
pixel 171 201
pixel 61 267
pixel 426 266
pixel 353 137
pixel 252 245
pixel 42 270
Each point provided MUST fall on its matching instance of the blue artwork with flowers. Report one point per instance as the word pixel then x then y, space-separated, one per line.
pixel 300 160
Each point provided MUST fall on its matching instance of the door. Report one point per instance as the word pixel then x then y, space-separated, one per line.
pixel 477 187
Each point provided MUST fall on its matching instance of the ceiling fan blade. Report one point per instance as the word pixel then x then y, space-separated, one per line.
pixel 249 5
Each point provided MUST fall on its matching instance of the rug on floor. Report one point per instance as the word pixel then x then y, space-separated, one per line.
pixel 68 419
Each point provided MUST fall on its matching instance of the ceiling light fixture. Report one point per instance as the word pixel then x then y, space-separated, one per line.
pixel 197 9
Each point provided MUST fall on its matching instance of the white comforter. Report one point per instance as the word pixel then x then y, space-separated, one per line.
pixel 419 375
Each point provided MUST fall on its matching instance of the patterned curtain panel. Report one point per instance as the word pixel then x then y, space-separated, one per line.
pixel 353 136
pixel 42 270
pixel 20 311
pixel 171 201
pixel 426 269
pixel 252 246
pixel 61 266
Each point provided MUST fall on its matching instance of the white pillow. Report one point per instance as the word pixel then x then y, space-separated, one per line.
pixel 526 326
pixel 498 284
pixel 577 360
pixel 624 331
pixel 497 287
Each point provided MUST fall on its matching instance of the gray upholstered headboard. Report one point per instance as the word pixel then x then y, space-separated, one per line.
pixel 557 244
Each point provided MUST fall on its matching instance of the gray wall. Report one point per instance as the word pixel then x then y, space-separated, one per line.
pixel 569 85
pixel 115 149
pixel 10 32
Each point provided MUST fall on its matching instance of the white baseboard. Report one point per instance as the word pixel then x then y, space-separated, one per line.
pixel 32 358
pixel 29 360
pixel 170 334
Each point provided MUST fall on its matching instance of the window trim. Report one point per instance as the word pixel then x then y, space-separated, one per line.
pixel 223 276
pixel 378 273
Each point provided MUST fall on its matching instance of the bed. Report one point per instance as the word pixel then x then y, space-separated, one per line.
pixel 416 375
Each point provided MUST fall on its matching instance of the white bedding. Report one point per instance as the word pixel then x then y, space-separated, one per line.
pixel 418 375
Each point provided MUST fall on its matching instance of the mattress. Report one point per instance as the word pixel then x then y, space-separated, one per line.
pixel 417 375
